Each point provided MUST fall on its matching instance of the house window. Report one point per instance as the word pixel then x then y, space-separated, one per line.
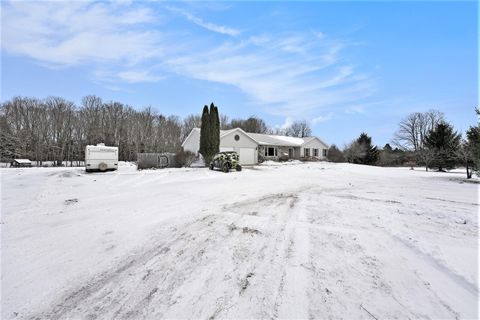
pixel 270 152
pixel 324 151
pixel 315 152
pixel 306 152
pixel 237 137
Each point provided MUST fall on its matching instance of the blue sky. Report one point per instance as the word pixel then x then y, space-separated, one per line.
pixel 346 67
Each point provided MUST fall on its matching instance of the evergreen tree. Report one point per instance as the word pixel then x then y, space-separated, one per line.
pixel 210 133
pixel 444 142
pixel 204 135
pixel 215 120
pixel 335 154
pixel 473 144
pixel 387 148
pixel 369 154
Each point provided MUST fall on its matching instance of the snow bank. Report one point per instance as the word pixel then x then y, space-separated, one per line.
pixel 278 163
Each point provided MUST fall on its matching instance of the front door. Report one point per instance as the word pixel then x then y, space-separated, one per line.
pixel 290 153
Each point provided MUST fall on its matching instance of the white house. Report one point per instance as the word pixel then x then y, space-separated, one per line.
pixel 254 146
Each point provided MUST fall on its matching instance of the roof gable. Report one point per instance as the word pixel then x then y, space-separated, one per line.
pixel 309 139
pixel 224 133
pixel 190 134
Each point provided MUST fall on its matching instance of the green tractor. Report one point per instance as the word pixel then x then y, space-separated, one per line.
pixel 226 161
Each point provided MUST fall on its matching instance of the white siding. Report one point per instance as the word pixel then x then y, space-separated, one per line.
pixel 244 142
pixel 247 155
pixel 314 144
pixel 192 142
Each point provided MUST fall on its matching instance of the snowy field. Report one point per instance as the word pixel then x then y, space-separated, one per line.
pixel 314 240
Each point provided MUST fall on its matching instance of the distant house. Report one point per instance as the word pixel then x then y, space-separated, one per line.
pixel 254 146
pixel 20 163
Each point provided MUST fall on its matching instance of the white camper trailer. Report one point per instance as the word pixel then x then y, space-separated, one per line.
pixel 101 158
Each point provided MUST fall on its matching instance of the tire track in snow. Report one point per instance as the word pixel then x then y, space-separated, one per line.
pixel 460 299
pixel 231 257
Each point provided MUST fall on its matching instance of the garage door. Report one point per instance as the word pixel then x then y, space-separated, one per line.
pixel 247 156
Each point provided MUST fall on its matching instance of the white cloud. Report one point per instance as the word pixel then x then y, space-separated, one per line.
pixel 285 82
pixel 75 33
pixel 293 75
pixel 135 76
pixel 205 24
pixel 286 124
pixel 321 119
pixel 319 34
pixel 355 109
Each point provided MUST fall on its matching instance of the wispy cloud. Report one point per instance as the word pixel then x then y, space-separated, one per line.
pixel 321 119
pixel 286 124
pixel 287 83
pixel 294 75
pixel 205 24
pixel 136 76
pixel 75 33
pixel 128 76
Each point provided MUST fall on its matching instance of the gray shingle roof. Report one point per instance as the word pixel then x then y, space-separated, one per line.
pixel 273 140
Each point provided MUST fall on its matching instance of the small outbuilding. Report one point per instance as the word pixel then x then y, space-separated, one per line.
pixel 20 163
pixel 156 160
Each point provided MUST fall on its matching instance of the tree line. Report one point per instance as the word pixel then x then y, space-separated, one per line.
pixel 54 129
pixel 425 139
pixel 57 130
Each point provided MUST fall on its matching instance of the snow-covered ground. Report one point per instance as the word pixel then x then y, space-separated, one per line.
pixel 315 240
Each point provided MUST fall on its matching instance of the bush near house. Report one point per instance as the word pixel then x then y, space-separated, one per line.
pixel 185 158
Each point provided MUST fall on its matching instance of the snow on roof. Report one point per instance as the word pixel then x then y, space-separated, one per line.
pixel 224 132
pixel 271 139
pixel 22 161
pixel 267 139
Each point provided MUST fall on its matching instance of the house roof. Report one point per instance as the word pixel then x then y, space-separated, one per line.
pixel 191 132
pixel 268 139
pixel 22 161
pixel 224 133
pixel 274 140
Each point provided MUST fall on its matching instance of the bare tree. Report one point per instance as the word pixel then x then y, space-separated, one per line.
pixel 465 155
pixel 55 129
pixel 224 122
pixel 414 128
pixel 299 129
pixel 426 156
pixel 252 125
pixel 354 151
pixel 190 122
pixel 61 123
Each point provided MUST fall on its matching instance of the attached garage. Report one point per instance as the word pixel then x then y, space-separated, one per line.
pixel 247 155
pixel 237 140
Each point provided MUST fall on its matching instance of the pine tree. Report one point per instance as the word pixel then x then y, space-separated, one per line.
pixel 215 121
pixel 369 153
pixel 210 133
pixel 473 144
pixel 335 154
pixel 204 135
pixel 444 142
pixel 387 148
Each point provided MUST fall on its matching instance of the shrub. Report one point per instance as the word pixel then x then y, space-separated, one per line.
pixel 185 158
